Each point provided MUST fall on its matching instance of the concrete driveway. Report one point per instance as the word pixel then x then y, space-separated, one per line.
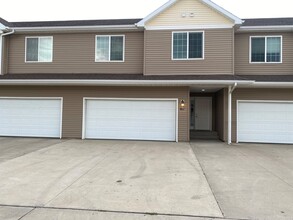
pixel 75 179
pixel 249 181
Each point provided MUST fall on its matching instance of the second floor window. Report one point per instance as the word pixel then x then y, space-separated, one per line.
pixel 109 48
pixel 266 49
pixel 39 49
pixel 188 45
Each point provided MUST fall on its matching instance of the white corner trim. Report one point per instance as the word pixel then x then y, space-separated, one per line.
pixel 1 46
pixel 207 2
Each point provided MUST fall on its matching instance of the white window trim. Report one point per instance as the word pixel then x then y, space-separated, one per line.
pixel 110 61
pixel 38 37
pixel 266 37
pixel 203 45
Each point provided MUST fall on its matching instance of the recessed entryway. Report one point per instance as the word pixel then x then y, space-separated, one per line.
pixel 201 109
pixel 130 119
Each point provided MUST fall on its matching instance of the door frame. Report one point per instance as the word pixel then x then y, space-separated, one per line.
pixel 211 111
pixel 130 99
pixel 44 98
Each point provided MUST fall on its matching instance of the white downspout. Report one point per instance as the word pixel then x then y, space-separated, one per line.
pixel 1 47
pixel 230 91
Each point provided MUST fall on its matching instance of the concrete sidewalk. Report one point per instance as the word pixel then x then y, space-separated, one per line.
pixel 252 181
pixel 16 213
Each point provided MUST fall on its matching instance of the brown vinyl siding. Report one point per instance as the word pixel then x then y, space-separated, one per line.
pixel 75 53
pixel 256 94
pixel 5 42
pixel 220 114
pixel 243 67
pixel 73 101
pixel 218 54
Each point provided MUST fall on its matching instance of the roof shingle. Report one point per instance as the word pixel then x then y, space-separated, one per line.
pixel 268 22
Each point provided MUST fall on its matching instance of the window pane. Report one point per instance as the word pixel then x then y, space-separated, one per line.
pixel 102 50
pixel 179 45
pixel 117 48
pixel 32 49
pixel 46 48
pixel 195 45
pixel 273 49
pixel 258 49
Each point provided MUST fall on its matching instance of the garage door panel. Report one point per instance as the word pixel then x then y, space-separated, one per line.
pixel 130 119
pixel 265 122
pixel 30 117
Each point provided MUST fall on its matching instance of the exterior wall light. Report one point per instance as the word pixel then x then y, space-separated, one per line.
pixel 182 103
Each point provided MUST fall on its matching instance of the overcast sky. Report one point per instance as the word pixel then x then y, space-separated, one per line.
pixel 36 10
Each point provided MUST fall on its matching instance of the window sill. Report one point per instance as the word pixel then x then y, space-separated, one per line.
pixel 188 59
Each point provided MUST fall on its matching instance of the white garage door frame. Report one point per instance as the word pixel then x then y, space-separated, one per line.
pixel 253 101
pixel 128 99
pixel 43 98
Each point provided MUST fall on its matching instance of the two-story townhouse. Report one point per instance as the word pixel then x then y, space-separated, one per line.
pixel 189 65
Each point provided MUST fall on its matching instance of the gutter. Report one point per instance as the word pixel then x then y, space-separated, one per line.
pixel 1 47
pixel 76 28
pixel 122 82
pixel 274 84
pixel 266 28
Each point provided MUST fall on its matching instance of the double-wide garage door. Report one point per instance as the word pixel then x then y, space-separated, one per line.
pixel 265 122
pixel 30 117
pixel 130 119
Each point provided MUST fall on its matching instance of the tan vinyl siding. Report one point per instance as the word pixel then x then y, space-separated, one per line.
pixel 203 15
pixel 256 94
pixel 218 54
pixel 73 101
pixel 75 53
pixel 243 67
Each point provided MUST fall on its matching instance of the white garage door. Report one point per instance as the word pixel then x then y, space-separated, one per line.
pixel 25 117
pixel 265 122
pixel 130 119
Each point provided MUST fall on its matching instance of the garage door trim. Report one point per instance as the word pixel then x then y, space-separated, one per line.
pixel 253 101
pixel 130 99
pixel 43 98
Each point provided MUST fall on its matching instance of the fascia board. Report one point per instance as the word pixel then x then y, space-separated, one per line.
pixel 125 82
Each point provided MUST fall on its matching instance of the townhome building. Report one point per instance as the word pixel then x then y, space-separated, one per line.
pixel 188 66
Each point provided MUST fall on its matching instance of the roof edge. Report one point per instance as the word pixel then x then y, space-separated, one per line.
pixel 76 28
pixel 124 82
